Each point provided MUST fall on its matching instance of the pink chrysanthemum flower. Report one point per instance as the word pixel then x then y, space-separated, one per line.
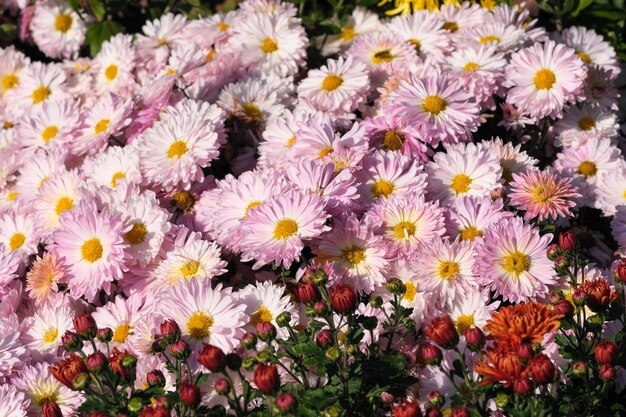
pixel 251 100
pixel 583 123
pixel 512 158
pixel 472 310
pixel 423 30
pixel 445 270
pixel 38 170
pixel 438 106
pixel 456 18
pixel 382 53
pixel 360 22
pixel 9 264
pixel 113 66
pixel 276 230
pixel 464 169
pixel 120 316
pixel 592 159
pixel 39 83
pixel 115 165
pixel 279 136
pixel 54 124
pixel 392 133
pixel 12 64
pixel 599 89
pixel 264 301
pixel 44 276
pixel 543 194
pixel 205 314
pixel 511 260
pixel 504 37
pixel 12 401
pixel 42 332
pixel 543 78
pixel 92 246
pixel 591 48
pixel 408 221
pixel 611 190
pixel 339 86
pixel 358 255
pixel 19 233
pixel 469 217
pixel 57 30
pixel 57 195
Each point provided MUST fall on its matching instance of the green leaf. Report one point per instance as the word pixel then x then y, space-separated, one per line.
pixel 97 9
pixel 582 5
pixel 614 15
pixel 100 32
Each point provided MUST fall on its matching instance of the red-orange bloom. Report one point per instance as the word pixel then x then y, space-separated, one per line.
pixel 599 293
pixel 502 364
pixel 115 360
pixel 523 323
pixel 66 370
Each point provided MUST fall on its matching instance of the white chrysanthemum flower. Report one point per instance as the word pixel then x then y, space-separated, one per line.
pixel 39 83
pixel 52 125
pixel 120 316
pixel 19 233
pixel 113 66
pixel 12 64
pixel 423 29
pixel 13 354
pixel 611 190
pixel 114 165
pixel 42 332
pixel 592 159
pixel 582 123
pixel 252 99
pixel 472 310
pixel 12 402
pixel 57 30
pixel 360 22
pixel 37 171
pixel 57 195
pixel 264 301
pixel 512 159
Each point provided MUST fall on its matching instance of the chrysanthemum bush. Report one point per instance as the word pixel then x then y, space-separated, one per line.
pixel 243 215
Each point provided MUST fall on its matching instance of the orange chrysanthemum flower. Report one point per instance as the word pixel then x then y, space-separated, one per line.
pixel 599 293
pixel 502 364
pixel 523 323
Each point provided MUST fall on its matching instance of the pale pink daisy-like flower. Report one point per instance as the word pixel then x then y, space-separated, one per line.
pixel 44 276
pixel 120 316
pixel 591 48
pixel 360 22
pixel 456 18
pixel 12 64
pixel 445 270
pixel 599 89
pixel 57 195
pixel 392 133
pixel 339 86
pixel 511 260
pixel 358 255
pixel 408 221
pixel 12 402
pixel 43 331
pixel 39 386
pixel 582 123
pixel 53 124
pixel 512 159
pixel 271 43
pixel 413 297
pixel 13 354
pixel 39 83
pixel 251 100
pixel 438 106
pixel 543 78
pixel 113 66
pixel 19 233
pixel 205 314
pixel 264 301
pixel 92 246
pixel 592 159
pixel 470 216
pixel 382 53
pixel 423 30
pixel 277 230
pixel 145 328
pixel 504 37
pixel 9 264
pixel 543 195
pixel 37 170
pixel 158 38
pixel 472 310
pixel 464 169
pixel 389 173
pixel 57 30
pixel 112 166
pixel 279 136
pixel 611 190
pixel 153 362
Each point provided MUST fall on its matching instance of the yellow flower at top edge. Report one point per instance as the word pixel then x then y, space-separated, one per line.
pixel 405 7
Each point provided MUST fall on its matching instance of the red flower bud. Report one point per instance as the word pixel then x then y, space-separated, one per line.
pixel 71 341
pixel 189 394
pixel 460 412
pixel 266 378
pixel 556 296
pixel 180 350
pixel 525 351
pixel 248 340
pixel 607 372
pixel 104 335
pixel 319 307
pixel 406 408
pixel 442 331
pixel 541 369
pixel 324 337
pixel 285 402
pixel 567 240
pixel 222 386
pixel 170 332
pixel 435 399
pixel 561 262
pixel 475 338
pixel 266 331
pixel 85 326
pixel 552 252
pixel 343 298
pixel 96 362
pixel 155 411
pixel 563 308
pixel 606 352
pixel 386 397
pixel 212 357
pixel 433 412
pixel 522 385
pixel 619 271
pixel 579 369
pixel 430 354
pixel 307 292
pixel 51 409
pixel 155 378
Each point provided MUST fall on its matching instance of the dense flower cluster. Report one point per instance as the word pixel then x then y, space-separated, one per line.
pixel 195 196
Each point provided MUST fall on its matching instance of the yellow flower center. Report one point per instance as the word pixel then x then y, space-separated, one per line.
pixel 411 290
pixel 269 46
pixel 586 123
pixel 190 268
pixel 347 34
pixel 544 79
pixel 40 94
pixel 586 58
pixel 117 176
pixel 17 240
pixel 137 234
pixel 263 315
pixel 354 255
pixel 434 105
pixel 121 333
pixel 417 44
pixel 49 133
pixel 325 152
pixel 45 397
pixel 464 322
pixel 450 26
pixel 587 168
pixel 332 82
pixel 12 195
pixel 7 125
pixel 460 183
pixel 382 187
pixel 516 262
pixel 111 72
pixel 382 56
pixel 471 66
pixel 470 233
pixel 222 26
pixel 251 206
pixel 489 38
pixel 63 23
pixel 449 270
pixel 209 57
pixel 50 335
pixel 540 194
pixel 199 325
pixel 252 111
pixel 183 201
pixel 177 149
pixel 92 250
pixel 404 230
pixel 170 71
pixel 291 142
pixel 9 81
pixel 64 203
pixel 101 126
pixel 393 140
pixel 285 229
